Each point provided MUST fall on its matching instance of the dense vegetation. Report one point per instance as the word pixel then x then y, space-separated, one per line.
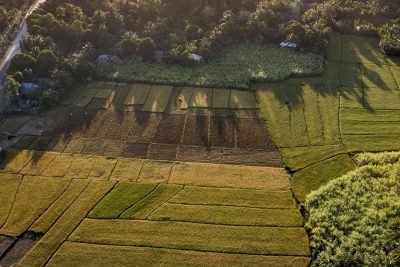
pixel 235 67
pixel 67 36
pixel 11 14
pixel 355 220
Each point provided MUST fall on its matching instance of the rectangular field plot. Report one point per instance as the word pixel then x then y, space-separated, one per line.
pixel 73 254
pixel 162 151
pixel 201 98
pixel 103 93
pixel 378 76
pixel 379 98
pixel 222 132
pixel 221 175
pixel 147 205
pixel 356 49
pixel 8 189
pixel 15 160
pixel 155 172
pixel 372 143
pixel 227 215
pixel 192 195
pixel 136 150
pixel 123 196
pixel 253 133
pixel 334 48
pixel 185 96
pixel 158 99
pixel 127 170
pixel 196 130
pixel 242 100
pixel 85 97
pixel 221 98
pixel 350 75
pixel 144 127
pixel 351 97
pixel 331 75
pixel 138 94
pixel 220 238
pixel 170 129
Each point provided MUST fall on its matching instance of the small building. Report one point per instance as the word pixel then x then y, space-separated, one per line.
pixel 288 45
pixel 30 90
pixel 159 55
pixel 196 58
pixel 103 59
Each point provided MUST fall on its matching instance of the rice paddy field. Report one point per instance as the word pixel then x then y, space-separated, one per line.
pixel 151 175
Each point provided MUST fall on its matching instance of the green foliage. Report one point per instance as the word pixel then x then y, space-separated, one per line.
pixel 21 62
pixel 354 220
pixel 146 48
pixel 234 68
pixel 390 38
pixel 46 62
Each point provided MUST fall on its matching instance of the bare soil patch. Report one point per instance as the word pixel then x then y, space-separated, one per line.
pixel 144 127
pixel 222 132
pixel 136 150
pixel 253 133
pixel 162 151
pixel 196 130
pixel 170 129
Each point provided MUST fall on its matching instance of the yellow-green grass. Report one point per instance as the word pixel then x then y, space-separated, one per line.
pixel 222 175
pixel 127 169
pixel 123 196
pixel 311 178
pixel 14 160
pixel 39 163
pixel 378 129
pixel 143 208
pixel 220 98
pixel 356 49
pixel 103 93
pixel 227 215
pixel 372 143
pixel 297 158
pixel 80 167
pixel 351 97
pixel 74 254
pixel 374 75
pixel 85 97
pixel 185 96
pixel 242 100
pixel 300 115
pixel 34 196
pixel 50 216
pixel 350 75
pixel 155 172
pixel 379 98
pixel 395 69
pixel 65 225
pixel 158 99
pixel 331 75
pixel 102 168
pixel 138 94
pixel 201 98
pixel 110 99
pixel 234 197
pixel 192 236
pixel 59 166
pixel 8 189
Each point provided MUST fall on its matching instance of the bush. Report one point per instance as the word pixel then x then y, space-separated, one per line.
pixel 46 62
pixel 355 219
pixel 389 35
pixel 146 48
pixel 21 62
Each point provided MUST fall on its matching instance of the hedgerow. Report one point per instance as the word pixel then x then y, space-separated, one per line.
pixel 236 67
pixel 355 219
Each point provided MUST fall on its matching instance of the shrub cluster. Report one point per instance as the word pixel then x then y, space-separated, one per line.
pixel 355 219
